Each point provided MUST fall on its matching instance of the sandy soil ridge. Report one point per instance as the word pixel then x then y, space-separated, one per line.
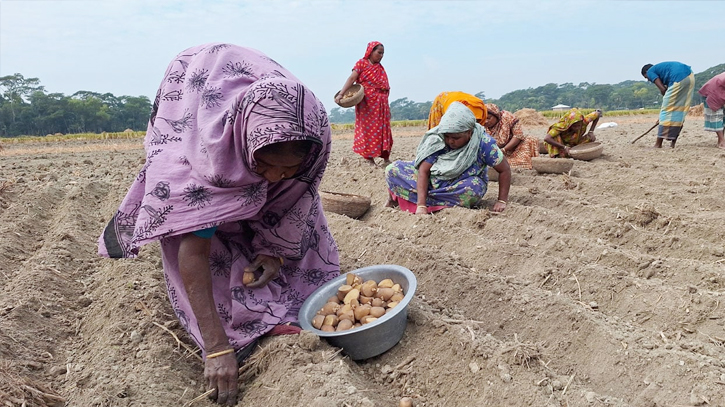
pixel 598 287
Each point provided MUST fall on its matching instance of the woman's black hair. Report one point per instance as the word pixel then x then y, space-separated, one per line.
pixel 376 47
pixel 296 148
pixel 645 69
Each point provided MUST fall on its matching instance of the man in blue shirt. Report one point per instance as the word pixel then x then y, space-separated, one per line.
pixel 676 83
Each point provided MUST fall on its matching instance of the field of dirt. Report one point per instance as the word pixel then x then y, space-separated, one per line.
pixel 601 287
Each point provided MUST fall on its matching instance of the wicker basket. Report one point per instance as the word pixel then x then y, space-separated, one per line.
pixel 350 205
pixel 546 165
pixel 586 152
pixel 542 147
pixel 357 91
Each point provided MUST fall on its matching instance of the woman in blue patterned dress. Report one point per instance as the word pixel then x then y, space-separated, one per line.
pixel 450 167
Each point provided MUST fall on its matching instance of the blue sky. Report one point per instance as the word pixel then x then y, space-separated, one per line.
pixel 124 46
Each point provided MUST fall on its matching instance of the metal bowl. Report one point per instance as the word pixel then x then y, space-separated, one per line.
pixel 370 339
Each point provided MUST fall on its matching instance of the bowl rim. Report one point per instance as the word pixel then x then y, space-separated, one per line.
pixel 580 148
pixel 359 95
pixel 412 286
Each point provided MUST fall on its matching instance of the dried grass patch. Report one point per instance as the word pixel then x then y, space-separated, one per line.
pixel 16 390
pixel 698 110
pixel 60 149
pixel 530 117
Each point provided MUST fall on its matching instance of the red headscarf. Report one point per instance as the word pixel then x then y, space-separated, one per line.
pixel 371 47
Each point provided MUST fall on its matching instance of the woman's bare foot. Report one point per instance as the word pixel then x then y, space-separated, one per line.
pixel 387 162
pixel 371 162
pixel 391 203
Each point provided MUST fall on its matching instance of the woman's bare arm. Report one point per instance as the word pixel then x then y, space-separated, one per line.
pixel 504 184
pixel 350 80
pixel 422 186
pixel 220 372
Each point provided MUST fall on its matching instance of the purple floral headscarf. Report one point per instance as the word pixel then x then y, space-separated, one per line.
pixel 217 105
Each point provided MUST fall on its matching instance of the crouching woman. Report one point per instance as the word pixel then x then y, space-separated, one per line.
pixel 450 168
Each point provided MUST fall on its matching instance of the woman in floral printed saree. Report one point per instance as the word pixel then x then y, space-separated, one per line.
pixel 235 151
pixel 506 129
pixel 450 168
pixel 571 130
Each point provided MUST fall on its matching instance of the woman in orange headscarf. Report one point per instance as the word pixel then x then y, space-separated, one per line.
pixel 503 126
pixel 373 136
pixel 444 99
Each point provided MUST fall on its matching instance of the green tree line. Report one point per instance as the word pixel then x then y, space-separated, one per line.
pixel 627 95
pixel 27 109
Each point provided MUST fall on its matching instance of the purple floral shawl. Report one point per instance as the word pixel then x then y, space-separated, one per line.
pixel 217 105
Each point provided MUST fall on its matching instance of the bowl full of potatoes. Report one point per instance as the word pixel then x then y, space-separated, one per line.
pixel 364 312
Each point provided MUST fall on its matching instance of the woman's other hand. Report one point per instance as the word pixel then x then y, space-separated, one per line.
pixel 221 373
pixel 504 184
pixel 270 269
pixel 591 136
pixel 499 206
pixel 348 82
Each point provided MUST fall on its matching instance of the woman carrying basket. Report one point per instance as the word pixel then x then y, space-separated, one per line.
pixel 373 136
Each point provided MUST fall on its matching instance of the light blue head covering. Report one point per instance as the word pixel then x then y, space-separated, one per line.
pixel 451 164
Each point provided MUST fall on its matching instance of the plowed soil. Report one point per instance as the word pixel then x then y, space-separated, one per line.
pixel 598 287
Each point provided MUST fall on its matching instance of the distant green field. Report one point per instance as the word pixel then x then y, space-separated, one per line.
pixel 73 137
pixel 550 114
pixel 558 113
pixel 399 123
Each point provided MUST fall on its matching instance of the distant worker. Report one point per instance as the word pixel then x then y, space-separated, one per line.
pixel 444 99
pixel 570 131
pixel 714 93
pixel 506 129
pixel 676 83
pixel 373 135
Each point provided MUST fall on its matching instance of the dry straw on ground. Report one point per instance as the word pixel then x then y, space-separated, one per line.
pixel 19 390
pixel 697 110
pixel 610 257
pixel 530 117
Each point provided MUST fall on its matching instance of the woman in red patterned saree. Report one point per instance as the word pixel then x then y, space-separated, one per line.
pixel 373 137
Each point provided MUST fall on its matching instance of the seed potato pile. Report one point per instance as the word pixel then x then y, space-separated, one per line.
pixel 358 303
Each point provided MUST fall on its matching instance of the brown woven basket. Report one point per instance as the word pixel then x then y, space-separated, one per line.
pixel 546 165
pixel 542 147
pixel 352 97
pixel 350 205
pixel 586 152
